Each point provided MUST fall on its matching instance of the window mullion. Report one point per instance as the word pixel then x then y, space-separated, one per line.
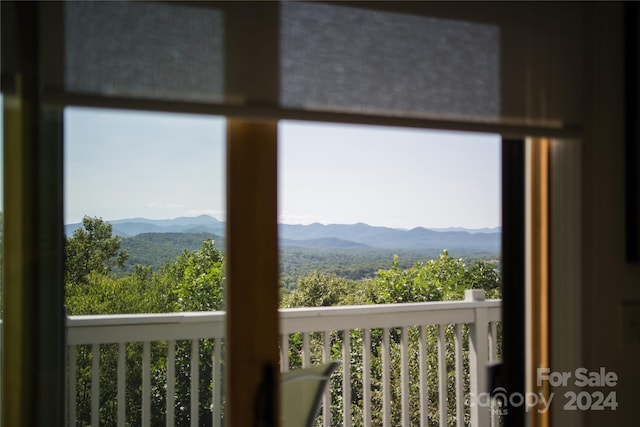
pixel 252 272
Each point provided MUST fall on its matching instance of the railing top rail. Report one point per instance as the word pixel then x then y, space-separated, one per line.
pixel 316 319
pixel 144 318
pixel 410 307
pixel 191 325
pixel 285 313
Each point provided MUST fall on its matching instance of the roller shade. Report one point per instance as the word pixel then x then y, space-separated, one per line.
pixel 495 64
pixel 142 49
pixel 358 60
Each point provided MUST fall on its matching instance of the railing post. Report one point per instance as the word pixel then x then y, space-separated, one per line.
pixel 478 358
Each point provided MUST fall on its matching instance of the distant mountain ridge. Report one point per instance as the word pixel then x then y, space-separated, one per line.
pixel 393 238
pixel 316 235
pixel 134 226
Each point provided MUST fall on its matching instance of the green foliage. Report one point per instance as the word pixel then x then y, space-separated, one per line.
pixel 199 278
pixel 319 290
pixel 194 280
pixel 156 249
pixel 440 279
pixel 92 249
pixel 351 263
pixel 140 292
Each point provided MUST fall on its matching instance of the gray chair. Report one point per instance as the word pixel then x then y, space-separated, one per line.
pixel 301 392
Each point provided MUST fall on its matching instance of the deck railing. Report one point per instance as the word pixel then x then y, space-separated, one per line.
pixel 402 364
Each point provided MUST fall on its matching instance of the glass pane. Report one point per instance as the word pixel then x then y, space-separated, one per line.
pixel 374 192
pixel 389 222
pixel 144 224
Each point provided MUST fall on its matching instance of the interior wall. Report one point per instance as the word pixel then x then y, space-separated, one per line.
pixel 608 279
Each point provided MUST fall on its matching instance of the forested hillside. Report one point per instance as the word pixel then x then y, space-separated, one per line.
pixel 359 262
pixel 352 251
pixel 166 267
pixel 156 249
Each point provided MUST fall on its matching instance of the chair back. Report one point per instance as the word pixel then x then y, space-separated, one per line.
pixel 301 392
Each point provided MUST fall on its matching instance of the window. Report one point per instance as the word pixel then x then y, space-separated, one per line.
pixel 234 68
pixel 144 223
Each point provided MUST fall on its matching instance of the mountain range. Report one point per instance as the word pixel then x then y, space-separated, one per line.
pixel 316 235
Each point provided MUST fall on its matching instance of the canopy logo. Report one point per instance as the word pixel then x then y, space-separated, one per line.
pixel 500 400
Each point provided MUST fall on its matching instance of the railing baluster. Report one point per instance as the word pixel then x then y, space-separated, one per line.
pixel 216 399
pixel 73 381
pixel 171 383
pixel 493 346
pixel 95 384
pixel 424 391
pixel 346 378
pixel 305 349
pixel 459 375
pixel 146 383
pixel 366 377
pixel 442 375
pixel 386 383
pixel 326 399
pixel 284 350
pixel 404 375
pixel 122 381
pixel 493 342
pixel 195 381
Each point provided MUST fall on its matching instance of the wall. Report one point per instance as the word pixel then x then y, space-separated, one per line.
pixel 608 280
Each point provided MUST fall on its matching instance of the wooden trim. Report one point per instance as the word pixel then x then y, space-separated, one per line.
pixel 33 367
pixel 252 273
pixel 256 111
pixel 18 380
pixel 538 150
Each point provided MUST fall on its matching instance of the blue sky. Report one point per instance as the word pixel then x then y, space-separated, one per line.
pixel 123 164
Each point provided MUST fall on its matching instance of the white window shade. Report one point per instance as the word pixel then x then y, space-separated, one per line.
pixel 340 58
pixel 490 67
pixel 144 49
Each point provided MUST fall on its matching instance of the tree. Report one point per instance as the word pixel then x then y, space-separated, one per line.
pixel 318 290
pixel 440 279
pixel 193 282
pixel 92 249
pixel 198 278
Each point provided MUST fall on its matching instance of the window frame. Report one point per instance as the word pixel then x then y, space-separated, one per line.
pixel 34 365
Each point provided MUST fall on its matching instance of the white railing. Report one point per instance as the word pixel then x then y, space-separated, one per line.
pixel 381 347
